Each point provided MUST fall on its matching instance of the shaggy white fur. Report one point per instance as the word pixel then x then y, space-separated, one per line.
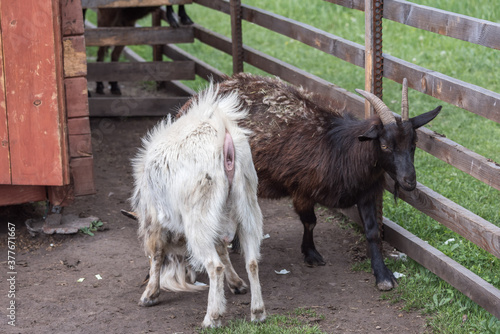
pixel 189 206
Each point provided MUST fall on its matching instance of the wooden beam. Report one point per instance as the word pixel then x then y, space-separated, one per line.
pixel 130 3
pixel 147 71
pixel 137 36
pixel 11 195
pixel 439 21
pixel 82 171
pixel 201 68
pixel 5 177
pixel 75 57
pixel 71 18
pixel 467 224
pixel 135 106
pixel 76 97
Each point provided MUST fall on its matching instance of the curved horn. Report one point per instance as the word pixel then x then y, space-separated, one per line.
pixel 404 102
pixel 380 108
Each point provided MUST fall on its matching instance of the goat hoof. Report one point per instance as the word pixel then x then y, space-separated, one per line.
pixel 241 290
pixel 258 315
pixel 186 21
pixel 313 259
pixel 211 323
pixel 147 302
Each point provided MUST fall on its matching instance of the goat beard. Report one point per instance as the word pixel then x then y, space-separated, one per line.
pixel 396 192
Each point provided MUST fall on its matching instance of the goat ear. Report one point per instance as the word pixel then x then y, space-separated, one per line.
pixel 425 118
pixel 371 134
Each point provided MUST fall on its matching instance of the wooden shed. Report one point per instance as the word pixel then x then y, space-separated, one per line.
pixel 45 150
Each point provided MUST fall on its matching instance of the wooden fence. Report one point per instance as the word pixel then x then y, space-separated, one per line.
pixel 137 71
pixel 462 94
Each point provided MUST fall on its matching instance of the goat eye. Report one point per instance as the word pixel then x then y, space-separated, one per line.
pixel 384 147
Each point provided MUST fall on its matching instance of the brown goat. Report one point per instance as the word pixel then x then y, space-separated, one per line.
pixel 318 155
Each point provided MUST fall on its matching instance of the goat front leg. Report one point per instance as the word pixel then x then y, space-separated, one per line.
pixel 384 278
pixel 152 292
pixel 305 210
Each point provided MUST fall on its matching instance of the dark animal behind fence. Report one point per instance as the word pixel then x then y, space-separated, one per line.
pixel 127 17
pixel 317 155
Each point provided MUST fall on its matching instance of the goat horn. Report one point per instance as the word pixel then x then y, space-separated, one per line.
pixel 404 102
pixel 380 108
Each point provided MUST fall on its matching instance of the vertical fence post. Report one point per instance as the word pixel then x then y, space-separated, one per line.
pixel 374 62
pixel 157 49
pixel 236 36
pixel 374 65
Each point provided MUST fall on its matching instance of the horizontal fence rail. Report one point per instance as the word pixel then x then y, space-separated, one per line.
pixel 435 20
pixel 130 3
pixel 137 36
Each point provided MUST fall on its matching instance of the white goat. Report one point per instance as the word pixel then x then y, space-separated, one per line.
pixel 195 189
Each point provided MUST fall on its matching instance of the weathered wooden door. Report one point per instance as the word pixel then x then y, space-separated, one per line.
pixel 33 147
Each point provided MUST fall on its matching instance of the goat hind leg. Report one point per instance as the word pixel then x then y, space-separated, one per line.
pixel 152 292
pixel 216 300
pixel 234 282
pixel 305 210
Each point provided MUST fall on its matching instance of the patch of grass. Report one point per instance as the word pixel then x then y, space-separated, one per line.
pixel 300 321
pixel 93 227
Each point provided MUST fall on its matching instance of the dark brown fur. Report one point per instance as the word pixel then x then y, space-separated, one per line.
pixel 317 155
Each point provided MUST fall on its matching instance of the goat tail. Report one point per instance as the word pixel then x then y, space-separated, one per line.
pixel 176 275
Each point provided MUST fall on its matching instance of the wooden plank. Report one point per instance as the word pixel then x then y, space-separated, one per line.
pixel 201 68
pixel 76 97
pixel 483 169
pixel 135 106
pixel 75 58
pixel 470 97
pixel 467 224
pixel 131 3
pixel 147 71
pixel 82 171
pixel 439 21
pixel 78 126
pixel 5 177
pixel 80 145
pixel 12 195
pixel 71 17
pixel 33 87
pixel 61 196
pixel 470 284
pixel 137 36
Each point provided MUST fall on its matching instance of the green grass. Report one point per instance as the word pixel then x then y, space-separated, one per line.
pixel 300 321
pixel 447 309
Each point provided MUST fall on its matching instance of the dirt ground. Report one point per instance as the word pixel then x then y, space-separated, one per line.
pixel 49 298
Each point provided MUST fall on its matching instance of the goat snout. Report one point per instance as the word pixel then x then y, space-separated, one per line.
pixel 408 183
